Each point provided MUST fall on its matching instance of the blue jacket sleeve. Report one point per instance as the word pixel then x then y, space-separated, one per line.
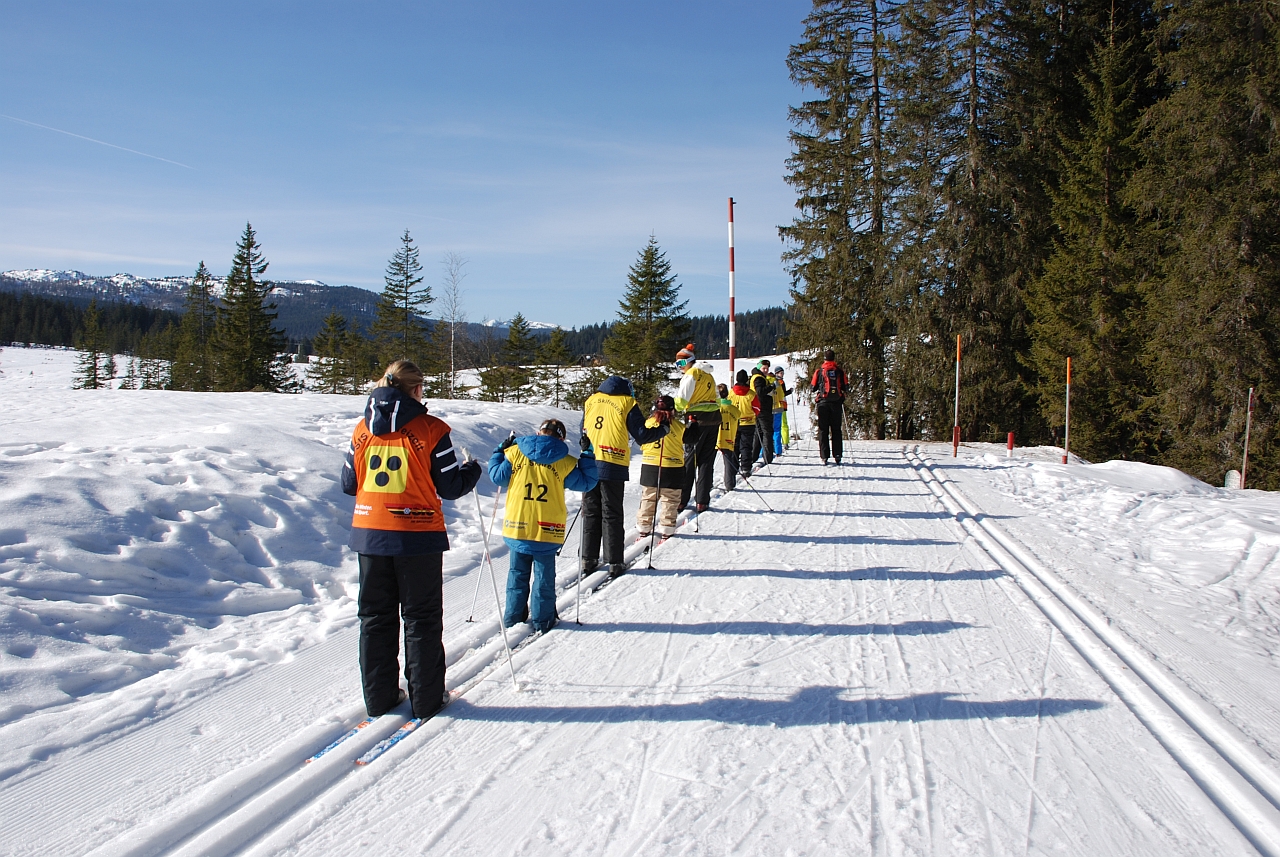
pixel 583 477
pixel 349 484
pixel 642 433
pixel 452 478
pixel 499 468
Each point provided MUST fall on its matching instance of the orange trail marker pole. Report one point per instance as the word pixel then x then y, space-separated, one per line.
pixel 1066 434
pixel 1248 424
pixel 1010 452
pixel 955 431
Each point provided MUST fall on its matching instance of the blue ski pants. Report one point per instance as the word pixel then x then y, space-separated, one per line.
pixel 543 606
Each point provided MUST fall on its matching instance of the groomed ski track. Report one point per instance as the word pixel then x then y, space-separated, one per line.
pixel 866 669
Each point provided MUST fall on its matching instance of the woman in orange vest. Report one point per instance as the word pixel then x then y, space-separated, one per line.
pixel 400 465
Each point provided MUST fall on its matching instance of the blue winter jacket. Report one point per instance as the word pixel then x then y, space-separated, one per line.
pixel 616 385
pixel 541 449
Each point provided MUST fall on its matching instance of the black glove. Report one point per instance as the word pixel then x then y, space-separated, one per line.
pixel 584 442
pixel 509 442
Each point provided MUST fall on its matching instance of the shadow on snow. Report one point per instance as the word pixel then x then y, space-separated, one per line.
pixel 811 706
pixel 777 629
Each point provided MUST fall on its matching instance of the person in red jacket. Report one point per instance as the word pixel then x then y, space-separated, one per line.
pixel 400 465
pixel 829 388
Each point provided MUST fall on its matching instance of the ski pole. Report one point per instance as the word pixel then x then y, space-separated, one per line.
pixel 758 494
pixel 844 415
pixel 657 498
pixel 486 533
pixel 496 600
pixel 569 532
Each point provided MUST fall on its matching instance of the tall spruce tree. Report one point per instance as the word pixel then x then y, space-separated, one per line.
pixel 1210 192
pixel 651 325
pixel 193 361
pixel 1087 303
pixel 249 347
pixel 926 135
pixel 840 254
pixel 400 330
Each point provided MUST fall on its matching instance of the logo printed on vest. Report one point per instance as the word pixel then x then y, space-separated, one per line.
pixel 386 470
pixel 418 512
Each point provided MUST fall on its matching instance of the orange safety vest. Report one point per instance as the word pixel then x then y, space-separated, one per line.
pixel 394 489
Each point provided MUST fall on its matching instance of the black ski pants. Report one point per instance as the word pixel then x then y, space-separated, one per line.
pixel 730 458
pixel 700 437
pixel 747 447
pixel 602 521
pixel 764 436
pixel 412 586
pixel 830 437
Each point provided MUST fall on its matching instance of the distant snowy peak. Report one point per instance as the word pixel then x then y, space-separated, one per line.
pixel 533 325
pixel 42 275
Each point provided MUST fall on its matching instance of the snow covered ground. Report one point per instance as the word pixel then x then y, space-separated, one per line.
pixel 911 655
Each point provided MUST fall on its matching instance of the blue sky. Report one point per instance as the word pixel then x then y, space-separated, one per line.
pixel 544 142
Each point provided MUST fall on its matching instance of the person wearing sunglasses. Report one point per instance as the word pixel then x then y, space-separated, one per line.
pixel 696 398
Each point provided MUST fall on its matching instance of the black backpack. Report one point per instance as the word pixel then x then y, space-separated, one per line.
pixel 830 385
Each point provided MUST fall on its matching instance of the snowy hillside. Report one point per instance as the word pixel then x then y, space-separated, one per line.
pixel 913 654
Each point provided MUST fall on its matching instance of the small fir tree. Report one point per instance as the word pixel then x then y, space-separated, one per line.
pixel 399 329
pixel 251 350
pixel 554 359
pixel 95 367
pixel 651 323
pixel 193 358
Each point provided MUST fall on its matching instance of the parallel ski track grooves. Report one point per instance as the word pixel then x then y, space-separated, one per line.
pixel 1220 762
pixel 286 779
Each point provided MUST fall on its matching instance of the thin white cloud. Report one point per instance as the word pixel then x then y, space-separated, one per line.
pixel 91 140
pixel 86 255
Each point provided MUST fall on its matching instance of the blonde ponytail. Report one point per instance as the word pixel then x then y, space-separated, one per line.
pixel 404 375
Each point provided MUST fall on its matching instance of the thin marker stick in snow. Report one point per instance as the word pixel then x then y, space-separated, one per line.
pixel 1066 432
pixel 496 600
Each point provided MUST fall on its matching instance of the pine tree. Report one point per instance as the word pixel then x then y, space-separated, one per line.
pixel 840 252
pixel 651 325
pixel 399 329
pixel 250 350
pixel 1209 188
pixel 509 381
pixel 926 137
pixel 345 358
pixel 554 359
pixel 96 366
pixel 1087 303
pixel 193 361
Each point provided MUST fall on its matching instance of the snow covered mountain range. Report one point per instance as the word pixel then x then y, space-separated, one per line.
pixel 301 304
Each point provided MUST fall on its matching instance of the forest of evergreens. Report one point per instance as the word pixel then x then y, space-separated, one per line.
pixel 1094 180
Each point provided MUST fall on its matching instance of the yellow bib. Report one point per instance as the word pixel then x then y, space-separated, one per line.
pixel 742 402
pixel 728 426
pixel 671 446
pixel 605 420
pixel 535 498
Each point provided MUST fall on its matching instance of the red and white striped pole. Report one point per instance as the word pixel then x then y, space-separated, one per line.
pixel 733 339
pixel 955 431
